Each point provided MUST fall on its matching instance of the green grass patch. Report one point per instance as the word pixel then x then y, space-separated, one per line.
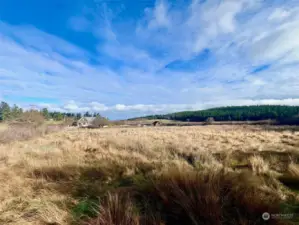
pixel 86 208
pixel 235 164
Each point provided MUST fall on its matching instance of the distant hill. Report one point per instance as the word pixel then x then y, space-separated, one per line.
pixel 232 113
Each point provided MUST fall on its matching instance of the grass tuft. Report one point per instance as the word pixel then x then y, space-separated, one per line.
pixel 116 209
pixel 208 198
pixel 259 165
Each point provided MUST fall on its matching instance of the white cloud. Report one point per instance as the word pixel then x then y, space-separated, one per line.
pixel 95 106
pixel 72 106
pixel 30 37
pixel 159 17
pixel 279 14
pixel 50 107
pixel 279 44
pixel 120 107
pixel 48 72
pixel 220 17
pixel 144 109
pixel 133 68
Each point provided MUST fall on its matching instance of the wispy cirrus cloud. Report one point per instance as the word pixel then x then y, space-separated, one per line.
pixel 161 57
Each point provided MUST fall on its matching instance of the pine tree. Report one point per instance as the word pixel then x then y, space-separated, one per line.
pixel 5 111
pixel 78 116
pixel 16 112
pixel 87 114
pixel 45 113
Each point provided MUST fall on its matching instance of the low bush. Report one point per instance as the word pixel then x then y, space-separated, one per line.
pixel 100 121
pixel 31 117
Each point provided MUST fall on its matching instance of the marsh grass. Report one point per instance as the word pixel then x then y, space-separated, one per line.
pixel 190 197
pixel 151 176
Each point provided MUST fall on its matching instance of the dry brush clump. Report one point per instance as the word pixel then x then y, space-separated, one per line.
pixel 29 125
pixel 116 209
pixel 58 178
pixel 99 121
pixel 25 131
pixel 31 117
pixel 190 197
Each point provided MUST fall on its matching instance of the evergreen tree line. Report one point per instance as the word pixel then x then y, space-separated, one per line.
pixel 8 113
pixel 233 113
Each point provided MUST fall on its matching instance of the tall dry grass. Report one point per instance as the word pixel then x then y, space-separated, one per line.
pixel 116 209
pixel 25 131
pixel 58 178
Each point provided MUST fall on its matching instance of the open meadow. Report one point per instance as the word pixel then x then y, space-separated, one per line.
pixel 3 127
pixel 150 175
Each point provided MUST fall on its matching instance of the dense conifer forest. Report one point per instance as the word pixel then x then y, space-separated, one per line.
pixel 233 113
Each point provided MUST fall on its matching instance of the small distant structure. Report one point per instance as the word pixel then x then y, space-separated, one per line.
pixel 85 121
pixel 156 123
pixel 209 121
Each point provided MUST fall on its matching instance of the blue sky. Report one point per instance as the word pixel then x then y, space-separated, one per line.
pixel 127 58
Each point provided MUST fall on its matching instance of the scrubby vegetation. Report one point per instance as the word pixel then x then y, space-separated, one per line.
pixel 234 113
pixel 100 121
pixel 151 176
pixel 14 114
pixel 9 113
pixel 27 125
pixel 21 132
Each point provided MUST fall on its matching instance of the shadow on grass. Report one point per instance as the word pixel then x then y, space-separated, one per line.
pixel 191 198
pixel 174 197
pixel 280 128
pixel 87 184
pixel 89 181
pixel 278 161
pixel 292 182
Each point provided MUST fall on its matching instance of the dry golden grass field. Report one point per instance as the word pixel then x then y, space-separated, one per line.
pixel 3 127
pixel 150 175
